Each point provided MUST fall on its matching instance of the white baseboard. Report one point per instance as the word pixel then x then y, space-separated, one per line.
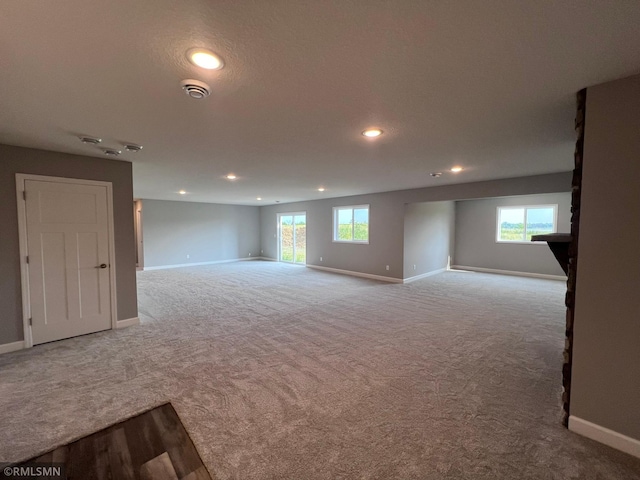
pixel 15 346
pixel 510 272
pixel 129 322
pixel 424 275
pixel 11 347
pixel 604 435
pixel 357 274
pixel 267 259
pixel 195 264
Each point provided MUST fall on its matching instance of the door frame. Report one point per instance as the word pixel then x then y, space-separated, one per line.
pixel 137 220
pixel 22 235
pixel 279 235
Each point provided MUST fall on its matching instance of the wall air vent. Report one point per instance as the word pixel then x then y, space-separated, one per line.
pixel 195 88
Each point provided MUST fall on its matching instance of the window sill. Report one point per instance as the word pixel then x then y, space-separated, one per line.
pixel 507 242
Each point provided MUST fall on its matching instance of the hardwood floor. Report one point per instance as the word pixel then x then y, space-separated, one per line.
pixel 151 446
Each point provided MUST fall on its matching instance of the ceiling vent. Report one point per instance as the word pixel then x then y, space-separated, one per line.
pixel 132 147
pixel 90 140
pixel 196 89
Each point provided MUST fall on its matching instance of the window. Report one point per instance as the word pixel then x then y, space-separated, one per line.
pixel 351 224
pixel 518 224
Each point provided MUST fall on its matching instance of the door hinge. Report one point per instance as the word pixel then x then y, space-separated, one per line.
pixel 24 194
pixel 31 322
pixel 27 259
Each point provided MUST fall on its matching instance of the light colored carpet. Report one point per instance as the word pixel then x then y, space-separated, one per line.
pixel 281 372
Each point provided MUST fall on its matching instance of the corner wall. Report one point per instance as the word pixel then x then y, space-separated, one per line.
pixel 39 162
pixel 428 237
pixel 605 389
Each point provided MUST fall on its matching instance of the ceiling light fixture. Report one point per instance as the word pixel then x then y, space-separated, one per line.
pixel 182 192
pixel 372 132
pixel 231 176
pixel 90 140
pixel 111 152
pixel 201 57
pixel 456 169
pixel 321 189
pixel 132 147
pixel 436 174
pixel 258 198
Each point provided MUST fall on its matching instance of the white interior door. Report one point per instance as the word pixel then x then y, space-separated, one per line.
pixel 68 268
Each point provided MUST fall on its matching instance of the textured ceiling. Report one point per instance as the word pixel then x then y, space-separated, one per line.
pixel 487 85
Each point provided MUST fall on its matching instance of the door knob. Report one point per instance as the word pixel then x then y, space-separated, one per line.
pixel 102 265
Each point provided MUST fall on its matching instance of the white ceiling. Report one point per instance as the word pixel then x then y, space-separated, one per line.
pixel 487 85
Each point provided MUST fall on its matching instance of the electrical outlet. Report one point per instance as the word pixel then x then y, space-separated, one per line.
pixel 414 267
pixel 250 255
pixel 387 267
pixel 261 252
pixel 187 255
pixel 320 258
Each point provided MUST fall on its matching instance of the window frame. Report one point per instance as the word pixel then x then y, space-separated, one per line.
pixel 334 236
pixel 526 208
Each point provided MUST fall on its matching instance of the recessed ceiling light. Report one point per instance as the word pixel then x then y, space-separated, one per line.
pixel 182 192
pixel 111 152
pixel 372 132
pixel 436 174
pixel 90 140
pixel 132 147
pixel 258 198
pixel 231 176
pixel 456 169
pixel 321 189
pixel 201 57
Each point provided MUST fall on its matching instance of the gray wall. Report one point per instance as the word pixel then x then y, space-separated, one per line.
pixel 386 228
pixel 204 231
pixel 476 244
pixel 25 160
pixel 428 237
pixel 606 364
pixel 387 221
